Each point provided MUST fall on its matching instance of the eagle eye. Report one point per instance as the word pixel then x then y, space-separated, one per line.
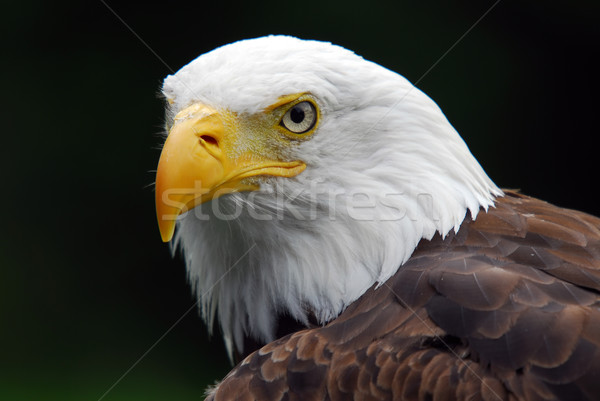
pixel 301 118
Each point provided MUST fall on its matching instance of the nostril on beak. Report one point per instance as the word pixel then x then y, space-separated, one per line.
pixel 209 140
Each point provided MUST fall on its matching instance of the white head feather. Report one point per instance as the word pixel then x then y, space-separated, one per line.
pixel 384 169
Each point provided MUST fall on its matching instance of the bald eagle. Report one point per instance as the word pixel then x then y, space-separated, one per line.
pixel 350 247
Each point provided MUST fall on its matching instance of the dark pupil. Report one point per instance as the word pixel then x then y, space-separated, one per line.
pixel 297 115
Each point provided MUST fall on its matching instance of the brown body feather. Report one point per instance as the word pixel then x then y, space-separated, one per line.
pixel 508 308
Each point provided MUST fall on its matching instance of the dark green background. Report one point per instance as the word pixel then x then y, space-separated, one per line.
pixel 86 286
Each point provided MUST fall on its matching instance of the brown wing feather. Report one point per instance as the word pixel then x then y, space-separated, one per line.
pixel 506 309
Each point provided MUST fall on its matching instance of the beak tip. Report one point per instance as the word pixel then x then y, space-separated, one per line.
pixel 166 228
pixel 166 237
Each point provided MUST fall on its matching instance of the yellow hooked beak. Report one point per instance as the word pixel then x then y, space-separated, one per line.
pixel 203 158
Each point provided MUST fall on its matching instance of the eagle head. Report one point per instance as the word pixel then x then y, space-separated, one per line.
pixel 296 175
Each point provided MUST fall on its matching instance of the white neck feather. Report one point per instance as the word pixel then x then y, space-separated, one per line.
pixel 307 244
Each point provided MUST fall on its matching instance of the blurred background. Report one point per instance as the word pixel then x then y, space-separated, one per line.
pixel 86 285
